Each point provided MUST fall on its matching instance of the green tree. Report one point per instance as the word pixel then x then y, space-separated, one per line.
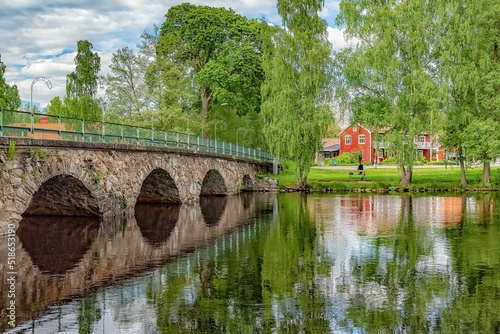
pixel 297 87
pixel 125 84
pixel 82 84
pixel 9 95
pixel 488 59
pixel 56 107
pixel 387 78
pixel 220 49
pixel 456 51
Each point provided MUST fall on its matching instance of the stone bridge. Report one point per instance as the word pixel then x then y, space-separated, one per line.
pixel 51 177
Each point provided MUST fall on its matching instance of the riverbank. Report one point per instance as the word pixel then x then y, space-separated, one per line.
pixel 387 179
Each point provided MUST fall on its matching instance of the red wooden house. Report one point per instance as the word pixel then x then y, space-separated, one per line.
pixel 357 138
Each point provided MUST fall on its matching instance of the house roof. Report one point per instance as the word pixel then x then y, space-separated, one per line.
pixel 330 141
pixel 332 148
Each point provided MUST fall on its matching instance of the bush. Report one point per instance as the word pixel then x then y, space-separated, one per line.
pixel 348 158
pixel 389 161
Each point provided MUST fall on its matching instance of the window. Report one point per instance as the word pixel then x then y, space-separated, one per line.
pixel 380 154
pixel 421 139
pixel 361 139
pixel 354 127
pixel 348 140
pixel 362 154
pixel 420 153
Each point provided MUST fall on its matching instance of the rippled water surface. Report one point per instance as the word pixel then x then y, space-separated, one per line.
pixel 265 263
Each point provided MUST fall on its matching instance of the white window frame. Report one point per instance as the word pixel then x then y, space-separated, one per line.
pixel 361 137
pixel 348 140
pixel 421 139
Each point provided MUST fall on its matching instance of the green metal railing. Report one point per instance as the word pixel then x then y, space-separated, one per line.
pixel 24 124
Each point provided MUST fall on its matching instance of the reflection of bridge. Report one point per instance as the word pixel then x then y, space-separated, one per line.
pixel 80 255
pixel 52 177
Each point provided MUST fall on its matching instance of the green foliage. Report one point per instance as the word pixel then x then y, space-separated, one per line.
pixel 9 94
pixel 223 56
pixel 386 79
pixel 82 84
pixel 11 150
pixel 297 89
pixel 96 179
pixel 345 159
pixel 42 153
pixel 125 84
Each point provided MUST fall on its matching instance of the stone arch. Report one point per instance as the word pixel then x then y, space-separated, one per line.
pixel 247 183
pixel 158 187
pixel 63 195
pixel 213 184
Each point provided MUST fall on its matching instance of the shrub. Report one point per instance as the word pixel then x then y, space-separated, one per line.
pixel 348 158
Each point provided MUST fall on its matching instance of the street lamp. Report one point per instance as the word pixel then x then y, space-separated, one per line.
pixel 49 84
pixel 215 127
pixel 44 79
pixel 240 129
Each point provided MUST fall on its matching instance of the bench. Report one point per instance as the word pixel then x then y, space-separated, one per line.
pixel 361 174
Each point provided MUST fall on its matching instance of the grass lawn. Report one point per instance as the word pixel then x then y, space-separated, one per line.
pixel 428 178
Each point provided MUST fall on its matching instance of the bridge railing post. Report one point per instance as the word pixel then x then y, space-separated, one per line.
pixel 121 133
pixel 83 130
pixel 103 133
pixel 1 122
pixel 59 127
pixel 137 133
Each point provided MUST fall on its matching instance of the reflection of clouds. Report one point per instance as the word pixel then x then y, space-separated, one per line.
pixel 349 226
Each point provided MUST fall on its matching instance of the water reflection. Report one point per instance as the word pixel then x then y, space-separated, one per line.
pixel 56 244
pixel 212 208
pixel 319 264
pixel 156 221
pixel 59 258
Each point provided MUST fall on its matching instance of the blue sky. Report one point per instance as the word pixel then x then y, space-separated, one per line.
pixel 39 37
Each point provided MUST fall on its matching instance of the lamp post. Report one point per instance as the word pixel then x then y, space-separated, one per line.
pixel 215 127
pixel 240 129
pixel 44 79
pixel 49 85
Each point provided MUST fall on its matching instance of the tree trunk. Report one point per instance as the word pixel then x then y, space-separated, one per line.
pixel 486 173
pixel 461 159
pixel 406 176
pixel 205 100
pixel 302 183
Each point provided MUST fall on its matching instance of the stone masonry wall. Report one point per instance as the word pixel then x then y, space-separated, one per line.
pixel 46 177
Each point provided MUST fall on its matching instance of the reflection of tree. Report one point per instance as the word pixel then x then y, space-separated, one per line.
pixel 392 288
pixel 88 314
pixel 289 271
pixel 475 246
pixel 236 292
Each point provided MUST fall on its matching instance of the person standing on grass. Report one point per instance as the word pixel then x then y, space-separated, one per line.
pixel 360 170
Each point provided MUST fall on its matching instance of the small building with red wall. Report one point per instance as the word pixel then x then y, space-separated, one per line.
pixel 357 138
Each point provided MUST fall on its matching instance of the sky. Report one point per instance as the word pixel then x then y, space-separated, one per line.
pixel 38 38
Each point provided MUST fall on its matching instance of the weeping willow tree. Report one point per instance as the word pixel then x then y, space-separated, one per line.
pixel 297 86
pixel 390 71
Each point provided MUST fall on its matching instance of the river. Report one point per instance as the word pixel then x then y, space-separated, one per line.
pixel 264 263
